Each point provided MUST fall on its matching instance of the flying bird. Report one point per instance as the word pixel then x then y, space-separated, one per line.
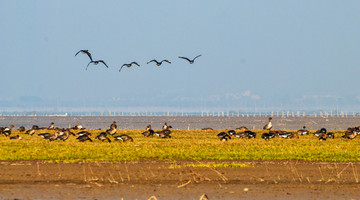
pixel 158 63
pixel 85 52
pixel 129 65
pixel 97 62
pixel 190 61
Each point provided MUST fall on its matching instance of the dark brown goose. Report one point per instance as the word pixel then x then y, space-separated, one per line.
pixel 158 63
pixel 78 127
pixel 17 137
pixel 129 65
pixel 165 133
pixel 35 127
pixel 223 135
pixel 102 137
pixel 242 128
pixel 191 61
pixel 83 138
pixel 83 133
pixel 351 133
pixel 111 131
pixel 148 132
pixel 267 136
pixel 7 130
pixel 97 62
pixel 48 136
pixel 21 129
pixel 123 138
pixel 30 132
pixel 64 135
pixel 44 135
pixel 85 52
pixel 320 133
pixel 303 131
pixel 288 135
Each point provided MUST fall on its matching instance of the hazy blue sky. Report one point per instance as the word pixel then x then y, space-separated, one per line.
pixel 266 54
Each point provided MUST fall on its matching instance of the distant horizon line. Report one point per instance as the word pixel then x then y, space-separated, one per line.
pixel 128 111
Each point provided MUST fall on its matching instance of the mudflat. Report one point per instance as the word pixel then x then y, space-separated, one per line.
pixel 186 122
pixel 183 179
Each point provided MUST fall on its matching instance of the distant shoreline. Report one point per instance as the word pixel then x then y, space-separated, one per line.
pixel 186 122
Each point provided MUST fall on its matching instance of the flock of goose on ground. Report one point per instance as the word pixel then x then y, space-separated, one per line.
pixel 322 133
pixel 83 135
pixel 243 132
pixel 158 63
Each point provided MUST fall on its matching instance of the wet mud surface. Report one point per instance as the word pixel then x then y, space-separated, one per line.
pixel 179 180
pixel 186 122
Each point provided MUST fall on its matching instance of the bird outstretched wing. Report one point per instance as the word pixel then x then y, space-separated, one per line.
pixel 152 61
pixel 122 67
pixel 185 58
pixel 135 63
pixel 85 52
pixel 89 64
pixel 197 57
pixel 78 52
pixel 165 61
pixel 104 63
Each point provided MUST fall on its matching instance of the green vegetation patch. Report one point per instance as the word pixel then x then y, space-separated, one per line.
pixel 183 145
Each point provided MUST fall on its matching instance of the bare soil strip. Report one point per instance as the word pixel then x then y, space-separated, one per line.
pixel 179 180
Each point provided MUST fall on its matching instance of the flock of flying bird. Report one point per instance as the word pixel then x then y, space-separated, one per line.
pixel 95 62
pixel 84 135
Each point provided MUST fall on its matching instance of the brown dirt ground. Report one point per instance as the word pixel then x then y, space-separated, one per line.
pixel 158 180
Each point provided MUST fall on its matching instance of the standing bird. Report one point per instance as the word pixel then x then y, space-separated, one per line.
pixel 158 63
pixel 113 125
pixel 85 52
pixel 166 127
pixel 112 129
pixel 190 61
pixel 268 126
pixel 51 127
pixel 149 131
pixel 129 65
pixel 97 62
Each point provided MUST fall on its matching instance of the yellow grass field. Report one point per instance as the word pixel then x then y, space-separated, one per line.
pixel 183 145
